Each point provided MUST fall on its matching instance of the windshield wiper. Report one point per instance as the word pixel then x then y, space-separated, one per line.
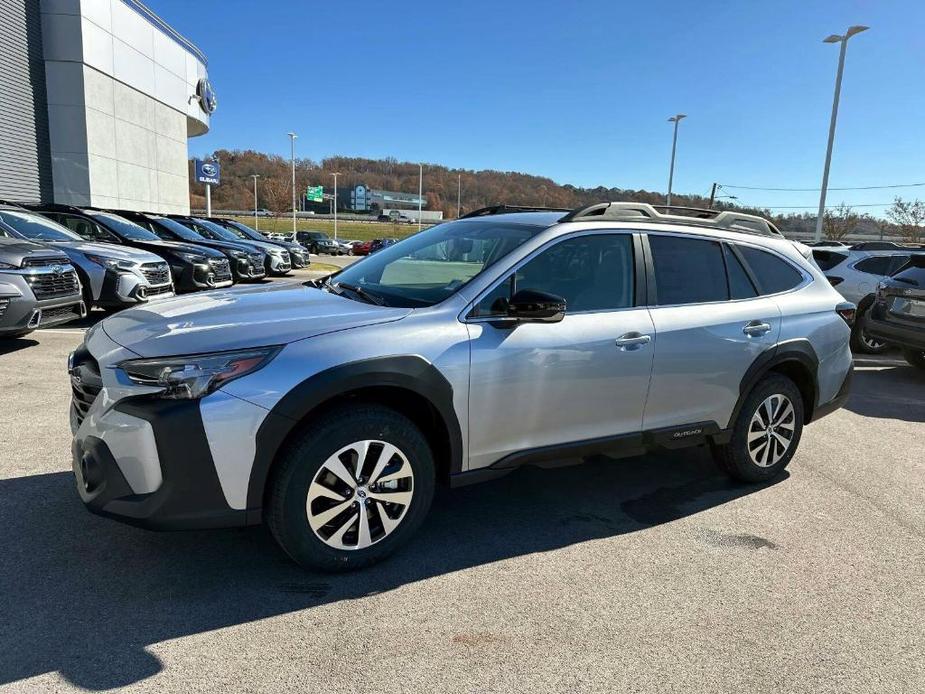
pixel 362 293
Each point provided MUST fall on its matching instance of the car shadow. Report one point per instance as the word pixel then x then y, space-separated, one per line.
pixel 889 392
pixel 84 596
pixel 10 345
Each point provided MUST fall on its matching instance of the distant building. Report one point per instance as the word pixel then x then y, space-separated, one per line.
pixel 364 199
pixel 97 101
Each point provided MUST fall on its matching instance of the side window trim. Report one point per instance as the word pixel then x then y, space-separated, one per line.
pixel 467 314
pixel 734 247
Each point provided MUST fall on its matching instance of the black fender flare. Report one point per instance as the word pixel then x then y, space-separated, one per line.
pixel 411 373
pixel 798 350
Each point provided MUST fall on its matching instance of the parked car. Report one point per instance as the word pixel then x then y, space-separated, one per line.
pixel 378 244
pixel 361 247
pixel 331 409
pixel 383 218
pixel 346 246
pixel 111 277
pixel 297 254
pixel 317 242
pixel 192 267
pixel 277 261
pixel 897 316
pixel 246 263
pixel 855 273
pixel 38 287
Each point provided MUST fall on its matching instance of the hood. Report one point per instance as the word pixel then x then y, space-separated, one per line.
pixel 239 318
pixel 243 246
pixel 181 246
pixel 108 250
pixel 14 251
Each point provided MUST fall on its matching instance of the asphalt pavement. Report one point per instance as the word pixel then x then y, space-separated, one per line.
pixel 651 574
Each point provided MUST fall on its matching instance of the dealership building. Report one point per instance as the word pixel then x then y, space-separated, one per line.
pixel 97 101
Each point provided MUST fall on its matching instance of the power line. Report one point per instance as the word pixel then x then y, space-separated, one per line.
pixel 812 190
pixel 813 207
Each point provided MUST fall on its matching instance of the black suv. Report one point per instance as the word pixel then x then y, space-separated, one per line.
pixel 897 315
pixel 317 242
pixel 296 251
pixel 247 263
pixel 192 267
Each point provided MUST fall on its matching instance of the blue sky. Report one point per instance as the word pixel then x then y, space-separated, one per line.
pixel 577 91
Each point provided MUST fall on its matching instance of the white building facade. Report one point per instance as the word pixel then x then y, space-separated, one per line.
pixel 123 92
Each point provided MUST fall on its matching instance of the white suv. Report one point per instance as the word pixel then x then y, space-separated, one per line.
pixel 331 409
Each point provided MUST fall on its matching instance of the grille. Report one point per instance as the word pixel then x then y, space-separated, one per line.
pixel 46 261
pixel 256 259
pixel 49 285
pixel 155 291
pixel 3 304
pixel 62 313
pixel 221 269
pixel 85 382
pixel 156 273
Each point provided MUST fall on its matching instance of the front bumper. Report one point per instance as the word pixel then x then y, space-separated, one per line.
pixel 171 463
pixel 248 271
pixel 19 313
pixel 279 265
pixel 193 277
pixel 127 288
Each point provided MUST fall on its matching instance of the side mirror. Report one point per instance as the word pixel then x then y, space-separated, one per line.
pixel 531 306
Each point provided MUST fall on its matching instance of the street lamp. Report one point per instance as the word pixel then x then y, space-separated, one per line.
pixel 420 191
pixel 335 175
pixel 458 195
pixel 256 223
pixel 843 40
pixel 292 137
pixel 674 145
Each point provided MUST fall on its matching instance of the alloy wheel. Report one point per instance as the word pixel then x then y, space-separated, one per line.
pixel 771 430
pixel 870 342
pixel 360 495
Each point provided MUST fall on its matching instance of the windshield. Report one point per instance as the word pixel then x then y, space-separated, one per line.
pixel 245 232
pixel 181 230
pixel 218 231
pixel 123 227
pixel 37 228
pixel 432 265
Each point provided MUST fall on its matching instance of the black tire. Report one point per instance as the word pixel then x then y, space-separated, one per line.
pixel 296 469
pixel 860 342
pixel 734 457
pixel 916 357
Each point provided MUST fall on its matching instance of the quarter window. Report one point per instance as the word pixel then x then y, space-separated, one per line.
pixel 688 271
pixel 774 275
pixel 592 273
pixel 740 285
pixel 878 265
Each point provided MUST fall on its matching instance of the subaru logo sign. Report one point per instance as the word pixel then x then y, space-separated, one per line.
pixel 206 95
pixel 208 172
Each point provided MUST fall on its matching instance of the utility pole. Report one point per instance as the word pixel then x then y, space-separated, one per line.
pixel 420 191
pixel 834 38
pixel 256 223
pixel 712 196
pixel 674 146
pixel 458 196
pixel 292 137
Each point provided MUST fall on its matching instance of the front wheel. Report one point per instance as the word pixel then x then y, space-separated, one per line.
pixel 766 432
pixel 352 488
pixel 916 357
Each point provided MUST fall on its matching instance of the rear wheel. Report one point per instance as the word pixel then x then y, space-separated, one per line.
pixel 766 432
pixel 861 341
pixel 916 357
pixel 352 488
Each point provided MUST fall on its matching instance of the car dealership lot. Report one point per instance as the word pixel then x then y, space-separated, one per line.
pixel 644 574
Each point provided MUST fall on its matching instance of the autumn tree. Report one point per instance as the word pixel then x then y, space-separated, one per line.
pixel 908 215
pixel 839 221
pixel 278 194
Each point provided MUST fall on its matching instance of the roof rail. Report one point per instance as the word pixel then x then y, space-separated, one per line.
pixel 641 211
pixel 508 209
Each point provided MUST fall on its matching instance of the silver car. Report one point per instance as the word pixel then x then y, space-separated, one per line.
pixel 331 410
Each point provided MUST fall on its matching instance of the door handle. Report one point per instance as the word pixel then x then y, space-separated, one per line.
pixel 756 328
pixel 633 340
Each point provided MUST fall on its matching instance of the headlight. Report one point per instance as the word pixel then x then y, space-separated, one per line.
pixel 192 257
pixel 111 263
pixel 239 255
pixel 192 377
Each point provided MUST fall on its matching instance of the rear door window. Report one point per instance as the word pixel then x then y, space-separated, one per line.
pixel 688 271
pixel 774 274
pixel 826 260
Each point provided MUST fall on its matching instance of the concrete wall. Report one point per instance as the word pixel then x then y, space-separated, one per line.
pixel 119 106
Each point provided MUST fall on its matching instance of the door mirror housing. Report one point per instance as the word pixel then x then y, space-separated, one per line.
pixel 532 306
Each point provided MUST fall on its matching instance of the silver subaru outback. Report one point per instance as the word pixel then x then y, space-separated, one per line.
pixel 330 410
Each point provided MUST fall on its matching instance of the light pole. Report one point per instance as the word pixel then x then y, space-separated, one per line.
pixel 334 205
pixel 674 146
pixel 420 191
pixel 458 195
pixel 843 40
pixel 292 137
pixel 256 223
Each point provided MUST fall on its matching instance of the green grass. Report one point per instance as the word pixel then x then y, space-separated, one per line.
pixel 361 231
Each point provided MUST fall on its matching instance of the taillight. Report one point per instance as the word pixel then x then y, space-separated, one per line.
pixel 835 281
pixel 847 311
